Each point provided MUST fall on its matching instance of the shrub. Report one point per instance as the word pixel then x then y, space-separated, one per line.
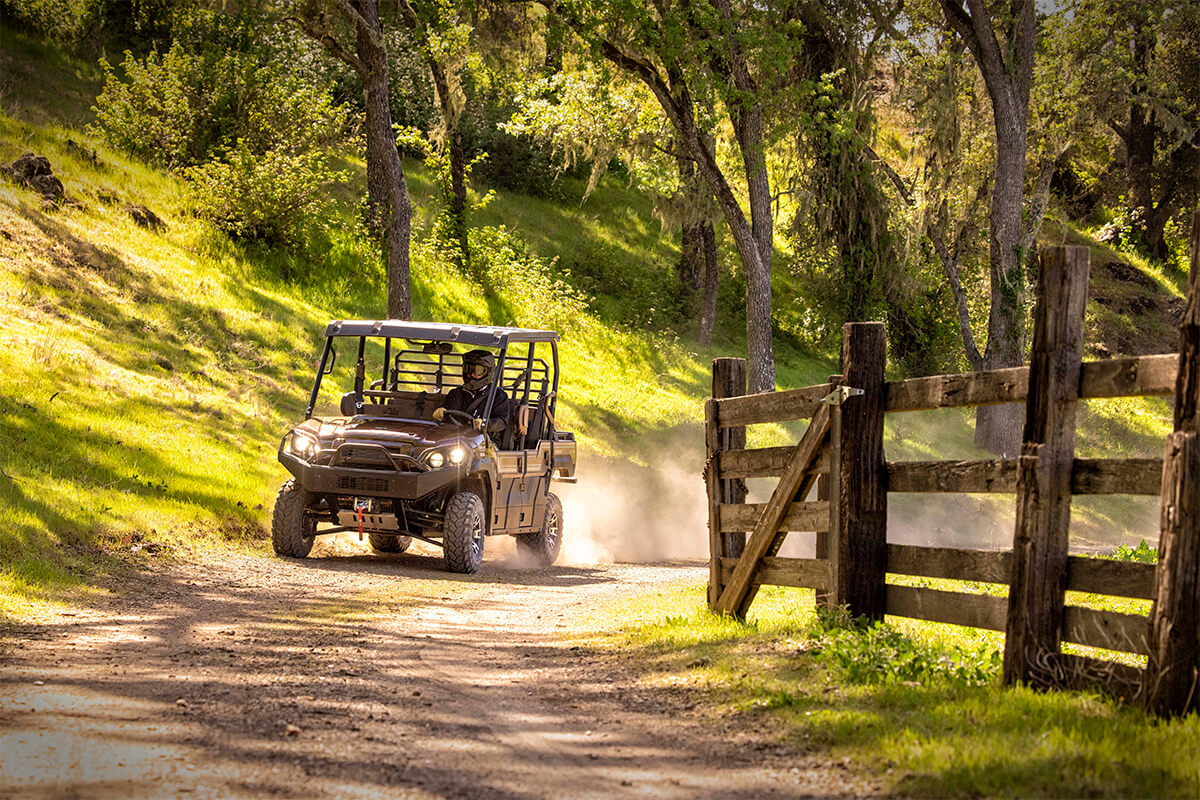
pixel 240 114
pixel 274 197
pixel 535 297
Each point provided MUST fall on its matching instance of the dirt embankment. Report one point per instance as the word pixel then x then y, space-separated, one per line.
pixel 372 676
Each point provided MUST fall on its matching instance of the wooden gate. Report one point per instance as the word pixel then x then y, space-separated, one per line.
pixel 842 451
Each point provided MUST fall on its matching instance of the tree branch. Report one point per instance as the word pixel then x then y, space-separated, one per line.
pixel 321 34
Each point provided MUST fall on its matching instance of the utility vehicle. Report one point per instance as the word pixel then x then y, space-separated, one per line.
pixel 381 462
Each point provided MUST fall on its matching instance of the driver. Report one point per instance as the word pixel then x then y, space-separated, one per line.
pixel 471 397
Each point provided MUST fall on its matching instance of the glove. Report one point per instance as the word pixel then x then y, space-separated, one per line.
pixel 438 414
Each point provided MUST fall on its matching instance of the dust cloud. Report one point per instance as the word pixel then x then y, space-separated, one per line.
pixel 625 512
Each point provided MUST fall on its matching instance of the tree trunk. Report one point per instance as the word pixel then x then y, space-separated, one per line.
pixel 1008 73
pixel 708 302
pixel 386 184
pixel 457 200
pixel 998 428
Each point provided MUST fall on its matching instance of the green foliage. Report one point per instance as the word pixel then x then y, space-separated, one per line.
pixel 534 297
pixel 879 654
pixel 1144 553
pixel 244 123
pixel 276 197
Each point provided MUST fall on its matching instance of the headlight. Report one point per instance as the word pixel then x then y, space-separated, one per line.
pixel 457 455
pixel 436 460
pixel 303 446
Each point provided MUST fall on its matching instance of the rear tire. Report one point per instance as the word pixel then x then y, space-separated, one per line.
pixel 388 544
pixel 543 546
pixel 292 528
pixel 463 536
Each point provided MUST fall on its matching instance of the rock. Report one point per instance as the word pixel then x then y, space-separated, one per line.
pixel 181 703
pixel 33 172
pixel 145 218
pixel 292 730
pixel 29 166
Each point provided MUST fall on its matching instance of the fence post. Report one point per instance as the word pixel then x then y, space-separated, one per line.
pixel 826 483
pixel 1173 672
pixel 729 380
pixel 858 546
pixel 1039 579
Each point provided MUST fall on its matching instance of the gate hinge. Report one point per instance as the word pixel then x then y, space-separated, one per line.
pixel 840 394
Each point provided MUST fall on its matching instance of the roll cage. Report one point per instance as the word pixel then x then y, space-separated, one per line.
pixel 419 363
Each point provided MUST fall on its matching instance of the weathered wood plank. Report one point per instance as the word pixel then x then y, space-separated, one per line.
pixel 988 566
pixel 763 462
pixel 1129 377
pixel 807 516
pixel 1127 633
pixel 1117 476
pixel 790 404
pixel 1175 653
pixel 861 539
pixel 1141 476
pixel 955 608
pixel 766 531
pixel 951 391
pixel 1084 573
pixel 1173 679
pixel 801 573
pixel 1106 576
pixel 997 475
pixel 1118 377
pixel 1039 573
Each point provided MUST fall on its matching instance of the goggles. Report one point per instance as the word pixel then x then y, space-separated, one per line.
pixel 475 371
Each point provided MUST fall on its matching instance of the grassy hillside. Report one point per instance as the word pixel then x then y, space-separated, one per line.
pixel 146 377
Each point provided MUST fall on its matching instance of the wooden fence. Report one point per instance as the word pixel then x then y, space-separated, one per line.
pixel 841 452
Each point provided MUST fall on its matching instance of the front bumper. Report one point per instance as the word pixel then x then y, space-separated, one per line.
pixel 369 482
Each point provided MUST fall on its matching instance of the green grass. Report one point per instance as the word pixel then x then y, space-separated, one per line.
pixel 951 732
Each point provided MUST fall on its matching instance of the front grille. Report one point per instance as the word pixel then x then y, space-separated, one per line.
pixel 364 455
pixel 352 483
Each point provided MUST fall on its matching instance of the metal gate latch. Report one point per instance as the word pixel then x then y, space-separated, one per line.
pixel 840 394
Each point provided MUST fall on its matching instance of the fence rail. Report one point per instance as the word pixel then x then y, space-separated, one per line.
pixel 841 451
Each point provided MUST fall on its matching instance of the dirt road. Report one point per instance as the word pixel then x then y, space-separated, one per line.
pixel 364 676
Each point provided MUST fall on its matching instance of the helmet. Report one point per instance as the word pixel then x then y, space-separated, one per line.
pixel 477 366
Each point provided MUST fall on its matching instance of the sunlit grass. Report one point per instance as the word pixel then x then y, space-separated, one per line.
pixel 935 737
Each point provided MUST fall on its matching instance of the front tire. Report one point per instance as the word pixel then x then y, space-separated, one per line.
pixel 543 546
pixel 462 539
pixel 292 527
pixel 383 543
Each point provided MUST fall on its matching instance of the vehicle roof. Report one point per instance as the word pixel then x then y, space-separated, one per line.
pixel 474 335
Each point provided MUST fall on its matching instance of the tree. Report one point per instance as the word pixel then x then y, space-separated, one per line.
pixel 326 21
pixel 592 116
pixel 1007 70
pixel 710 57
pixel 1142 60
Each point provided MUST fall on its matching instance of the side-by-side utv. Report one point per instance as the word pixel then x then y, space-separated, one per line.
pixel 385 462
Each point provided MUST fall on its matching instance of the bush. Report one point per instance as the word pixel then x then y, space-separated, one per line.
pixel 535 297
pixel 275 197
pixel 239 111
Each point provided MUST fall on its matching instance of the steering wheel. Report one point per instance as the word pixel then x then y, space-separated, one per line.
pixel 462 417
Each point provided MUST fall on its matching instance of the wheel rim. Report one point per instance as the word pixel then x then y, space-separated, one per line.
pixel 552 531
pixel 476 538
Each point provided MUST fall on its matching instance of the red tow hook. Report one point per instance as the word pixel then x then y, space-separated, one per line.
pixel 360 510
